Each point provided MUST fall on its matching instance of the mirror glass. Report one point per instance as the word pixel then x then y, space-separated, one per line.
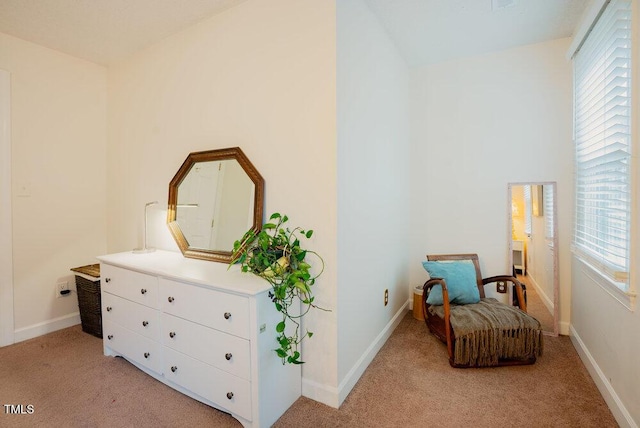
pixel 214 198
pixel 533 248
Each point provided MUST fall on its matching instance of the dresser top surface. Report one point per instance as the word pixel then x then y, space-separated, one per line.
pixel 173 265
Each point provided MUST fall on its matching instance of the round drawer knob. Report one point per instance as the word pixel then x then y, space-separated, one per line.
pixel 146 355
pixel 107 280
pixel 110 337
pixel 109 308
pixel 229 395
pixel 143 291
pixel 145 323
pixel 172 334
pixel 227 315
pixel 174 368
pixel 170 299
pixel 228 356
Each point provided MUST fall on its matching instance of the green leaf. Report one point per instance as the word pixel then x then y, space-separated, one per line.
pixel 268 226
pixel 274 215
pixel 280 327
pixel 309 334
pixel 302 286
pixel 284 342
pixel 281 353
pixel 278 307
pixel 309 233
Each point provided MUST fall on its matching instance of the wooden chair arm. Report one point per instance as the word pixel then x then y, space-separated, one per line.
pixel 426 289
pixel 508 278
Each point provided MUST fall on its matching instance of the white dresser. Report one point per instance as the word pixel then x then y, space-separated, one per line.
pixel 205 331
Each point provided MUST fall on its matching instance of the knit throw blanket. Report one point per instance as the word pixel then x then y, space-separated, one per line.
pixel 489 330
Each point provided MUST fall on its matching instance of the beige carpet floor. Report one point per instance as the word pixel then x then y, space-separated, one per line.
pixel 535 305
pixel 409 384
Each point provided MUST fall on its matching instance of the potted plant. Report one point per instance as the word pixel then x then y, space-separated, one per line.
pixel 275 254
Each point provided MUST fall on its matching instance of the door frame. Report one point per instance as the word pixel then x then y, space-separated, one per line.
pixel 6 232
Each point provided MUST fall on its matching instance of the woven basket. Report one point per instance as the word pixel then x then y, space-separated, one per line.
pixel 89 303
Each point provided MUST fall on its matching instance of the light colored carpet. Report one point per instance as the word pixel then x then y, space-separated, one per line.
pixel 535 305
pixel 409 384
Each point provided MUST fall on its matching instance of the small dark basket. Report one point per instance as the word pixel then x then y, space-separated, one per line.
pixel 90 305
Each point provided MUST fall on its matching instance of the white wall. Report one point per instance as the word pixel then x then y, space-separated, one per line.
pixel 373 188
pixel 479 123
pixel 58 121
pixel 260 76
pixel 607 335
pixel 540 261
pixel 605 332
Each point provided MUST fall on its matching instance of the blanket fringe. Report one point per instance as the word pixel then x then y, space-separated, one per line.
pixel 486 348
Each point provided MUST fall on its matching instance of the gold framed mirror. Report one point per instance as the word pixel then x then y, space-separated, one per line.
pixel 214 198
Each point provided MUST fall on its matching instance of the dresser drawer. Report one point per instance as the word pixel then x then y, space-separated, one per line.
pixel 139 287
pixel 139 318
pixel 225 312
pixel 132 346
pixel 225 390
pixel 224 351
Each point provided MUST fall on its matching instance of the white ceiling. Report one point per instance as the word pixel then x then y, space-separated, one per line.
pixel 425 31
pixel 431 31
pixel 103 31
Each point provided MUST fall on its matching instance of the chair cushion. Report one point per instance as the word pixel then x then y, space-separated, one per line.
pixel 460 277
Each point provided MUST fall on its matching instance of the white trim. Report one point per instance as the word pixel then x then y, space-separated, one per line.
pixel 45 327
pixel 619 411
pixel 334 397
pixel 586 23
pixel 324 394
pixel 625 298
pixel 548 303
pixel 6 248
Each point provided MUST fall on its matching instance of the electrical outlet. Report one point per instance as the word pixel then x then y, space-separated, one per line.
pixel 386 297
pixel 60 287
pixel 501 287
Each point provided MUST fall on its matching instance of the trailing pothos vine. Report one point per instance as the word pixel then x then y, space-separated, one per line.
pixel 275 254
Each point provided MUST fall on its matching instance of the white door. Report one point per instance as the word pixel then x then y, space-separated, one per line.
pixel 198 195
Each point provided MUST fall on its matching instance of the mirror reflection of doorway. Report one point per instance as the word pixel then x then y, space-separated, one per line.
pixel 533 248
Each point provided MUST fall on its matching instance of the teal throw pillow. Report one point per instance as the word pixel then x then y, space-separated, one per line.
pixel 460 277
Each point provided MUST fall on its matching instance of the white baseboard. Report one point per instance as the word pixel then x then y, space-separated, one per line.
pixel 45 327
pixel 548 302
pixel 324 394
pixel 609 394
pixel 334 397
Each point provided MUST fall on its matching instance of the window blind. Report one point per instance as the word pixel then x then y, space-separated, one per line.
pixel 548 211
pixel 527 210
pixel 602 100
